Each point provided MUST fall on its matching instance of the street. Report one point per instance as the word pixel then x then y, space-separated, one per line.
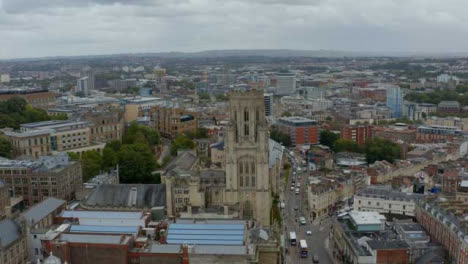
pixel 295 207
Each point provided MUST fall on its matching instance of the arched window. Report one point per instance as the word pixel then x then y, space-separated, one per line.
pixel 246 181
pixel 252 169
pixel 253 180
pixel 246 130
pixel 257 115
pixel 241 181
pixel 246 115
pixel 241 169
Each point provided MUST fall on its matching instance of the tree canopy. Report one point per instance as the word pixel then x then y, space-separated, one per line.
pixel 181 142
pixel 328 138
pixel 137 163
pixel 342 145
pixel 381 149
pixel 5 147
pixel 280 137
pixel 16 111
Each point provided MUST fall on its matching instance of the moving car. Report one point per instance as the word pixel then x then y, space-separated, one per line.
pixel 302 220
pixel 308 232
pixel 315 258
pixel 297 190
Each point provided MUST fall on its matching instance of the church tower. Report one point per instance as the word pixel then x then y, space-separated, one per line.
pixel 246 151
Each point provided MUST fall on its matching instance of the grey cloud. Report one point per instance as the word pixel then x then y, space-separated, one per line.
pixel 79 27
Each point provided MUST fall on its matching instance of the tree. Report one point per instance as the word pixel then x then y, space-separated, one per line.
pixel 137 133
pixel 346 145
pixel 16 105
pixel 136 164
pixel 73 155
pixel 222 97
pixel 204 96
pixel 280 137
pixel 381 149
pixel 328 138
pixel 5 147
pixel 91 164
pixel 286 114
pixel 109 158
pixel 181 142
pixel 199 133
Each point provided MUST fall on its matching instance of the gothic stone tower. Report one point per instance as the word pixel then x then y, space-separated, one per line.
pixel 247 177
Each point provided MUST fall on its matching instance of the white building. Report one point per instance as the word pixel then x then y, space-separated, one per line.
pixel 286 83
pixel 383 199
pixel 445 78
pixel 5 78
pixel 82 86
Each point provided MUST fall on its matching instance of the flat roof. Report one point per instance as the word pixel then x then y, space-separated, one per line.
pixel 102 214
pixel 366 218
pixel 206 234
pixel 95 239
pixel 130 230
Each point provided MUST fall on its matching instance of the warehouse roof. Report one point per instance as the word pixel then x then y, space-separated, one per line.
pixel 95 239
pixel 102 214
pixel 130 230
pixel 206 234
pixel 127 195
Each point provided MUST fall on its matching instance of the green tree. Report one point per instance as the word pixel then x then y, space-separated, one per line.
pixel 137 133
pixel 109 158
pixel 5 147
pixel 381 149
pixel 346 145
pixel 204 96
pixel 328 138
pixel 16 105
pixel 286 114
pixel 136 164
pixel 181 142
pixel 73 156
pixel 280 137
pixel 91 164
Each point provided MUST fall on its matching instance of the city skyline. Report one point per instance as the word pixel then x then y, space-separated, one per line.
pixel 33 29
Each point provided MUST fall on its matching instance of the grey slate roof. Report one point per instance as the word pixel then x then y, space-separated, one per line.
pixel 387 244
pixel 9 232
pixel 121 195
pixel 184 161
pixel 41 210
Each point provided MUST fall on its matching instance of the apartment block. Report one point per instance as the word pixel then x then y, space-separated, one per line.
pixel 358 134
pixel 171 120
pixel 34 181
pixel 36 97
pixel 105 125
pixel 301 130
pixel 44 138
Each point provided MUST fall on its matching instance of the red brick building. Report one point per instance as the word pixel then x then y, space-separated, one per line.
pixel 450 181
pixel 358 134
pixel 431 215
pixel 390 252
pixel 302 131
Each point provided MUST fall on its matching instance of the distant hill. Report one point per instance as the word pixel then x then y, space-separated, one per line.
pixel 273 53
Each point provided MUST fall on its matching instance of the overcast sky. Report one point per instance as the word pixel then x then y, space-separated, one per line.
pixel 37 28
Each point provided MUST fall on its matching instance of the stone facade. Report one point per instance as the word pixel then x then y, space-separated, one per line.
pixel 248 184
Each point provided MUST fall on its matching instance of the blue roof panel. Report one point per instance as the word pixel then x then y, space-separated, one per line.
pixel 202 237
pixel 203 242
pixel 206 227
pixel 205 232
pixel 104 229
pixel 101 214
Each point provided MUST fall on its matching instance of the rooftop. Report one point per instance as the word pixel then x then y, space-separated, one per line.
pixel 127 195
pixel 366 218
pixel 42 210
pixel 102 215
pixel 297 120
pixel 9 232
pixel 387 193
pixel 129 230
pixel 95 239
pixel 206 234
pixel 387 244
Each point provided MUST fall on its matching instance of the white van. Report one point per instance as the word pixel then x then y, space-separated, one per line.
pixel 297 190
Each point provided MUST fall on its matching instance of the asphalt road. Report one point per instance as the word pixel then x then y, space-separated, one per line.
pixel 318 241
